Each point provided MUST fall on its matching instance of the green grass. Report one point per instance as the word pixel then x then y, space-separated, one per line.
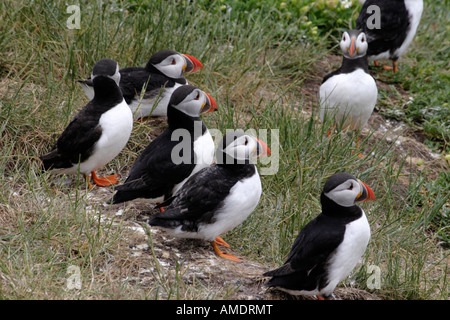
pixel 257 58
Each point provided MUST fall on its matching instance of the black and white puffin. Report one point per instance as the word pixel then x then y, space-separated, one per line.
pixel 217 198
pixel 350 93
pixel 329 246
pixel 98 133
pixel 160 77
pixel 185 147
pixel 398 22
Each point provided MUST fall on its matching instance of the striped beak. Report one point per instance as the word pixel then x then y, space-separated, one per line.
pixel 366 193
pixel 209 105
pixel 192 64
pixel 262 149
pixel 352 49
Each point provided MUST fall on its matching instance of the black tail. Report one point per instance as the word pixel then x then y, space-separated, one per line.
pixel 122 196
pixel 119 198
pixel 53 160
pixel 164 223
pixel 48 160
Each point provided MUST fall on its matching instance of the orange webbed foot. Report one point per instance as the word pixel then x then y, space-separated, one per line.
pixel 222 242
pixel 222 254
pixel 104 181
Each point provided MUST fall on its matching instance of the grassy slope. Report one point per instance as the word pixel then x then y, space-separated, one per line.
pixel 255 64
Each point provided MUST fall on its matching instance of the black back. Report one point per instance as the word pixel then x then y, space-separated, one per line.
pixel 133 79
pixel 394 26
pixel 201 196
pixel 154 174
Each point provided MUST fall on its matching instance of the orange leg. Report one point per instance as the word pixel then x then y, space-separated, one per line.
pixel 222 242
pixel 105 181
pixel 161 209
pixel 395 66
pixel 223 254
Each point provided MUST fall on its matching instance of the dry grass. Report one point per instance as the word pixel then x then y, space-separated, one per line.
pixel 50 223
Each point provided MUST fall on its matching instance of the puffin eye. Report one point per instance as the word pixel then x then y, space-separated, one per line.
pixel 363 39
pixel 351 187
pixel 174 61
pixel 246 142
pixel 197 96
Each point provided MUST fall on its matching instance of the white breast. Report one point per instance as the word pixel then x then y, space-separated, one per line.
pixel 116 124
pixel 156 106
pixel 348 253
pixel 350 95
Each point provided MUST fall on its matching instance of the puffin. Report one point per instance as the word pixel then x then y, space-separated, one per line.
pixel 97 133
pixel 328 248
pixel 219 197
pixel 397 27
pixel 147 90
pixel 350 92
pixel 185 147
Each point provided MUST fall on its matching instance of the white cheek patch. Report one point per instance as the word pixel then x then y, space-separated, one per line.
pixel 173 71
pixel 344 197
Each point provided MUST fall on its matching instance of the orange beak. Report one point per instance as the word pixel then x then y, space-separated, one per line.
pixel 192 64
pixel 263 149
pixel 352 47
pixel 210 104
pixel 366 194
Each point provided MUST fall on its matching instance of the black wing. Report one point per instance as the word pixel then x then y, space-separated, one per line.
pixel 77 141
pixel 394 23
pixel 134 79
pixel 197 201
pixel 304 268
pixel 328 76
pixel 154 174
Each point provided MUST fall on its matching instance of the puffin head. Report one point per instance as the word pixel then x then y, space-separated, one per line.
pixel 345 190
pixel 192 101
pixel 354 44
pixel 173 64
pixel 107 68
pixel 237 147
